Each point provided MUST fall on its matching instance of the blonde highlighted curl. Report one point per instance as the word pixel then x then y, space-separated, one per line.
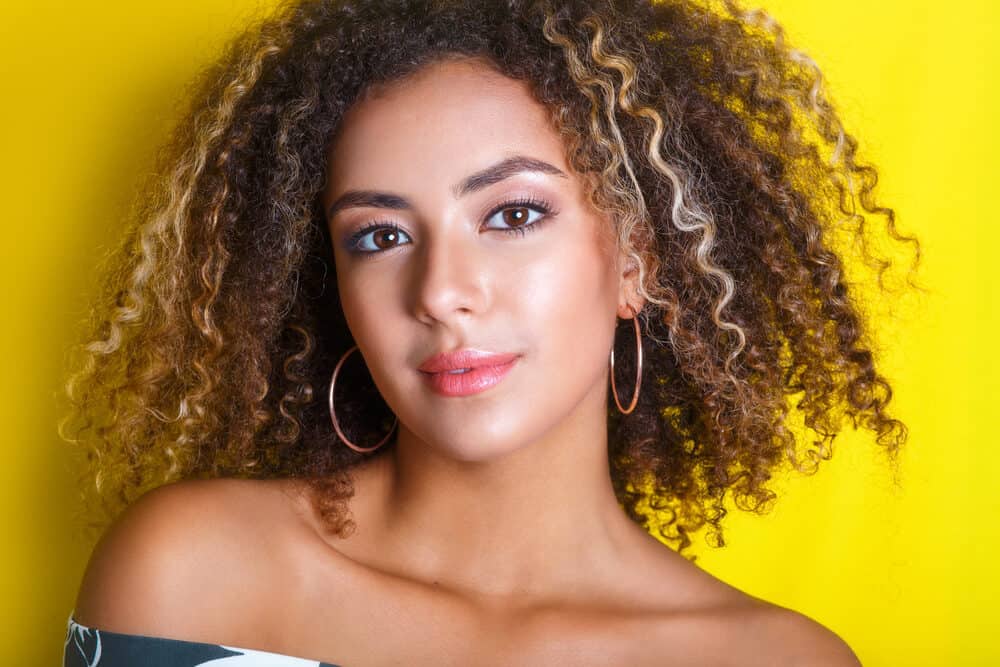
pixel 708 141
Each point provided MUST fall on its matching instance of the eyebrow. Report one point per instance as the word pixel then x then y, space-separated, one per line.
pixel 516 164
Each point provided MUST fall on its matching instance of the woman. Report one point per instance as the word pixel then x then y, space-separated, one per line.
pixel 366 327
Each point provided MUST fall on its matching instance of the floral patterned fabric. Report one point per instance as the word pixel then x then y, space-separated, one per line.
pixel 92 647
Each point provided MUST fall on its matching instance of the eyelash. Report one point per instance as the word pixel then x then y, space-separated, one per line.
pixel 539 205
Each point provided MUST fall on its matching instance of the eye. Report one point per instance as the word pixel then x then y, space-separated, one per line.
pixel 384 235
pixel 516 215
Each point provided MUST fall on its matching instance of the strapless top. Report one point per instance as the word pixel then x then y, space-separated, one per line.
pixel 93 647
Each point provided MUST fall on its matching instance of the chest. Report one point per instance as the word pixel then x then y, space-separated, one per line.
pixel 385 622
pixel 405 624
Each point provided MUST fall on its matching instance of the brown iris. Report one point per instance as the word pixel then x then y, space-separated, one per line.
pixel 515 216
pixel 391 236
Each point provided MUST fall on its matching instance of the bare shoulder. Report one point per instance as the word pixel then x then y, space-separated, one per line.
pixel 700 619
pixel 191 545
pixel 781 636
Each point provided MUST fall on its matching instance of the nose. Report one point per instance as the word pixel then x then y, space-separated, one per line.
pixel 450 279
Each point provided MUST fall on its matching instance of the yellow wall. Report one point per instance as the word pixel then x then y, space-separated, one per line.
pixel 906 577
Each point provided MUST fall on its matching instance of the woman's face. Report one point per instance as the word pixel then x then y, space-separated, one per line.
pixel 426 155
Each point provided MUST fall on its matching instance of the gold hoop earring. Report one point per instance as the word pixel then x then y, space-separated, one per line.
pixel 638 373
pixel 333 416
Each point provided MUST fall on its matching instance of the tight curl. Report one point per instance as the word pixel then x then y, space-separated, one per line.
pixel 703 136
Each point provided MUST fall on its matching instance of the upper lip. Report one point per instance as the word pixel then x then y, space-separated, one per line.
pixel 465 358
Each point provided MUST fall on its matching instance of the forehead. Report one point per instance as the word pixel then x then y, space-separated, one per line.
pixel 443 122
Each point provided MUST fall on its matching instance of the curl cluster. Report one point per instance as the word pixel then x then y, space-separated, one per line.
pixel 706 139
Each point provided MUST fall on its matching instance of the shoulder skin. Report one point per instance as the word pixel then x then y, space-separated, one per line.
pixel 195 545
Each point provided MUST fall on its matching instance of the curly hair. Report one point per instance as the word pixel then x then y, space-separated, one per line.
pixel 707 140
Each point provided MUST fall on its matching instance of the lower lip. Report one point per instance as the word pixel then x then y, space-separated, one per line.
pixel 465 384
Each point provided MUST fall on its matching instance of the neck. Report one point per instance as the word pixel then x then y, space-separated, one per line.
pixel 540 521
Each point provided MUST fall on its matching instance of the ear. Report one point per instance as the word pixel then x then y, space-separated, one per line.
pixel 630 302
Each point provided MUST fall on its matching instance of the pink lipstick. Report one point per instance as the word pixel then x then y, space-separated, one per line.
pixel 466 372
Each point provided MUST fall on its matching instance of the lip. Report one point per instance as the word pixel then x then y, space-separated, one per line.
pixel 487 370
pixel 465 358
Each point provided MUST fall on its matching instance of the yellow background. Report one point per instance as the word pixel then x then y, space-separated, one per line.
pixel 907 577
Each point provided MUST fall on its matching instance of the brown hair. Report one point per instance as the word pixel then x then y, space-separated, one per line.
pixel 703 135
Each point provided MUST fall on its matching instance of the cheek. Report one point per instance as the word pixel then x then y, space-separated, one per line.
pixel 571 298
pixel 348 303
pixel 361 312
pixel 376 336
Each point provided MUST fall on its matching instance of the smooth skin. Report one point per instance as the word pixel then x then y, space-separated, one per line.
pixel 491 534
